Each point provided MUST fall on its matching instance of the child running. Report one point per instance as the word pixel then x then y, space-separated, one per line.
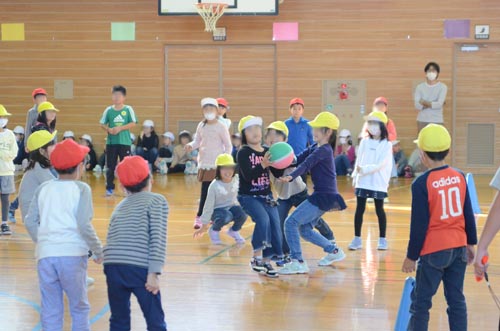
pixel 318 159
pixel 442 233
pixel 63 234
pixel 290 194
pixel 371 176
pixel 134 254
pixel 222 205
pixel 8 152
pixel 255 197
pixel 212 139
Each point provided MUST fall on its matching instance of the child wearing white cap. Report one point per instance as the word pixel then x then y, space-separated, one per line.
pixel 345 154
pixel 211 139
pixel 147 143
pixel 21 160
pixel 165 153
pixel 69 135
pixel 91 158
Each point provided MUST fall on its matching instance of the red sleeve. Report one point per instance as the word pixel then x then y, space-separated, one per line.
pixel 391 129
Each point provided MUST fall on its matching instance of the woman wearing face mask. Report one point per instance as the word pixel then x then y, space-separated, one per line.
pixel 211 139
pixel 345 155
pixel 371 176
pixel 430 97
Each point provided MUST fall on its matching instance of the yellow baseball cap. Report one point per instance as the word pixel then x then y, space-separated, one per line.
pixel 279 126
pixel 46 106
pixel 224 160
pixel 248 121
pixel 325 120
pixel 377 116
pixel 39 139
pixel 3 111
pixel 434 138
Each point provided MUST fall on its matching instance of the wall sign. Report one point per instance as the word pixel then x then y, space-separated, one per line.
pixel 482 31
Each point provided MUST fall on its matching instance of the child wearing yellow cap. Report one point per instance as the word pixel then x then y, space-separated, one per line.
pixel 222 205
pixel 290 194
pixel 46 120
pixel 442 232
pixel 372 172
pixel 8 152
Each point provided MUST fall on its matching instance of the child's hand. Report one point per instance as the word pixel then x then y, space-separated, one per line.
pixel 200 232
pixel 266 160
pixel 408 266
pixel 188 148
pixel 471 252
pixel 286 179
pixel 113 131
pixel 98 260
pixel 479 267
pixel 153 283
pixel 358 169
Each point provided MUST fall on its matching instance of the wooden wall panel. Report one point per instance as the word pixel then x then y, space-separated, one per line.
pixel 363 39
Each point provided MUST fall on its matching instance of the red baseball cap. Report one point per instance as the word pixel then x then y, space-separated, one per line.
pixel 222 102
pixel 132 170
pixel 38 91
pixel 380 100
pixel 297 101
pixel 68 154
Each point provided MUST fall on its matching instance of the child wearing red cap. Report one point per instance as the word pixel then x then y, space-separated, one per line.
pixel 134 254
pixel 63 234
pixel 39 95
pixel 223 108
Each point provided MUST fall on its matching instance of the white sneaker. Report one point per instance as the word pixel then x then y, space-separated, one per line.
pixel 356 244
pixel 382 244
pixel 90 281
pixel 294 268
pixel 336 256
pixel 236 236
pixel 386 200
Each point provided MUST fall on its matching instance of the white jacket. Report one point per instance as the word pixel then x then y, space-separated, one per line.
pixel 374 160
pixel 8 152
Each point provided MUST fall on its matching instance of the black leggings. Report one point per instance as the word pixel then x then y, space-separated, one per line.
pixel 360 210
pixel 203 197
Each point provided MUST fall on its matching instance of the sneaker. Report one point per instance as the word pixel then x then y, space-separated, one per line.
pixel 356 244
pixel 333 242
pixel 281 262
pixel 197 223
pixel 270 271
pixel 337 255
pixel 12 217
pixel 5 230
pixel 214 237
pixel 369 200
pixel 382 244
pixel 257 265
pixel 109 192
pixel 294 268
pixel 236 236
pixel 386 200
pixel 97 168
pixel 90 281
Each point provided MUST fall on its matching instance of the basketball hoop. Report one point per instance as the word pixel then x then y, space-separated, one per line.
pixel 211 12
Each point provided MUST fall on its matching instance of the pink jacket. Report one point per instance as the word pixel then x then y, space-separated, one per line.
pixel 211 140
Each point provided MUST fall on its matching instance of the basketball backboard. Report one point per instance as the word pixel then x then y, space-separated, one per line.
pixel 235 7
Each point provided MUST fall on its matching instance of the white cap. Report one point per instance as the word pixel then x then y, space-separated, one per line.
pixel 169 135
pixel 251 122
pixel 86 137
pixel 68 134
pixel 149 123
pixel 395 142
pixel 345 133
pixel 18 129
pixel 132 136
pixel 209 101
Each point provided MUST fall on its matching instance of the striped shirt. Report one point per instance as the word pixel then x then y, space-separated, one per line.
pixel 137 233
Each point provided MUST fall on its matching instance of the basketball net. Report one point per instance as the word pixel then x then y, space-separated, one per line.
pixel 211 12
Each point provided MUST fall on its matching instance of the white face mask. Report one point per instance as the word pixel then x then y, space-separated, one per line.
pixel 374 129
pixel 343 140
pixel 210 116
pixel 3 122
pixel 431 76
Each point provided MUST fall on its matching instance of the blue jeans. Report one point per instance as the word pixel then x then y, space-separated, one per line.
pixel 447 266
pixel 14 205
pixel 294 201
pixel 223 216
pixel 342 164
pixel 150 155
pixel 122 281
pixel 58 275
pixel 303 219
pixel 267 232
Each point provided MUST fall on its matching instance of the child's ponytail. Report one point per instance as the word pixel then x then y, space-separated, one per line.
pixel 333 138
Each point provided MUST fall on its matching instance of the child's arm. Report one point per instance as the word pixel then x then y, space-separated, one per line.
pixel 420 216
pixel 104 120
pixel 391 130
pixel 307 163
pixel 383 159
pixel 226 140
pixel 195 144
pixel 310 139
pixel 208 210
pixel 32 219
pixel 84 215
pixel 302 156
pixel 10 154
pixel 491 228
pixel 158 215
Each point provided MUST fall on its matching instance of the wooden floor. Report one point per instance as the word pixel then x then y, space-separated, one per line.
pixel 208 287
